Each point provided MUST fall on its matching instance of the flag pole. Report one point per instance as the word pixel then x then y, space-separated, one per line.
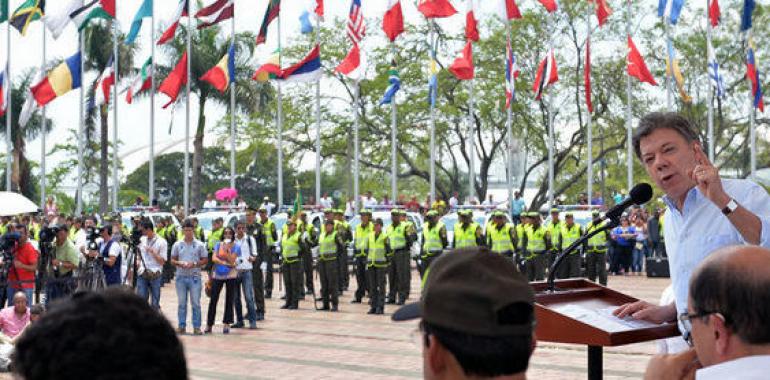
pixel 115 66
pixel 232 109
pixel 186 195
pixel 42 136
pixel 356 148
pixel 670 68
pixel 471 141
pixel 710 132
pixel 318 120
pixel 280 121
pixel 548 108
pixel 629 149
pixel 81 131
pixel 151 187
pixel 589 120
pixel 393 138
pixel 509 120
pixel 433 121
pixel 8 109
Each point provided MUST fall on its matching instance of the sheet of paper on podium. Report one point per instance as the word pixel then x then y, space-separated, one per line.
pixel 602 318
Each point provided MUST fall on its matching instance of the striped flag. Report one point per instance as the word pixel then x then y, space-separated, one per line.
pixel 511 74
pixel 31 10
pixel 142 82
pixel 215 13
pixel 145 11
pixel 713 71
pixel 273 9
pixel 5 91
pixel 547 74
pixel 105 83
pixel 356 26
pixel 93 9
pixel 182 10
pixel 752 74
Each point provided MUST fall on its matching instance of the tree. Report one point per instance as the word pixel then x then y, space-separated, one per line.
pixel 98 50
pixel 21 178
pixel 207 49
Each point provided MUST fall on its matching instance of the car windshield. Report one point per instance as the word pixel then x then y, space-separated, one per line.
pixel 205 222
pixel 279 220
pixel 357 220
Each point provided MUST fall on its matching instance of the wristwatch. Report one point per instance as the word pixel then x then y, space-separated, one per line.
pixel 730 208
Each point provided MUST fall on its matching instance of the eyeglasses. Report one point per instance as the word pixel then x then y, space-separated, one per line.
pixel 686 320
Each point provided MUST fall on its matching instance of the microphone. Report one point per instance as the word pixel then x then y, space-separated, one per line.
pixel 639 195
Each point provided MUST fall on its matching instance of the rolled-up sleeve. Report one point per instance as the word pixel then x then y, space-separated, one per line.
pixel 757 201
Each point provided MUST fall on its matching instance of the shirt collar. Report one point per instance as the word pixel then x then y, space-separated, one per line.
pixel 748 366
pixel 692 196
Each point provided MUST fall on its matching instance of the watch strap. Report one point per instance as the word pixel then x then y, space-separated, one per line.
pixel 730 208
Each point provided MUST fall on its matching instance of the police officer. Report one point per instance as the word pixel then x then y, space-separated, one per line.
pixel 363 230
pixel 434 240
pixel 343 229
pixel 537 244
pixel 596 252
pixel 400 237
pixel 198 230
pixel 570 233
pixel 467 233
pixel 270 235
pixel 311 240
pixel 329 243
pixel 554 228
pixel 291 245
pixel 501 235
pixel 377 264
pixel 521 231
pixel 217 229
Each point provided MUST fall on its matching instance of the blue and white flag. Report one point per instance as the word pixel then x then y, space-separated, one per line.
pixel 714 75
pixel 670 10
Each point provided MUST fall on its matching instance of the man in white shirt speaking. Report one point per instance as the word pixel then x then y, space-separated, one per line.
pixel 727 318
pixel 704 211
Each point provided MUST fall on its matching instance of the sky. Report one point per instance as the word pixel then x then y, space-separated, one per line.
pixel 134 119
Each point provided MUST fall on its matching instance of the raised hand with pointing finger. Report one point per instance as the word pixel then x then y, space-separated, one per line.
pixel 706 178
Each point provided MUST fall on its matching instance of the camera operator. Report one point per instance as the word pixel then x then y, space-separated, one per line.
pixel 21 275
pixel 85 237
pixel 65 260
pixel 111 252
pixel 152 256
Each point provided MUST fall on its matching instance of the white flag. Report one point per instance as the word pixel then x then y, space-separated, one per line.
pixel 57 22
pixel 30 104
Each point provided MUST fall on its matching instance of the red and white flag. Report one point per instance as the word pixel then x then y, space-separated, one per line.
pixel 436 8
pixel 353 65
pixel 471 26
pixel 356 26
pixel 393 21
pixel 215 13
pixel 511 73
pixel 550 5
pixel 603 11
pixel 508 10
pixel 547 74
pixel 462 67
pixel 105 83
pixel 636 66
pixel 182 10
pixel 319 8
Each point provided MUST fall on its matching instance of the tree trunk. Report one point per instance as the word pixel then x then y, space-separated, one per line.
pixel 197 162
pixel 103 161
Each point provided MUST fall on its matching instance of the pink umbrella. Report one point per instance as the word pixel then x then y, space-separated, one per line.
pixel 227 194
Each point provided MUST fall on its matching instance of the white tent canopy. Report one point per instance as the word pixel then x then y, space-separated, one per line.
pixel 14 204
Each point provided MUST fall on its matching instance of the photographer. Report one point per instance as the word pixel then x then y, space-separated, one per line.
pixel 110 251
pixel 64 262
pixel 21 275
pixel 152 256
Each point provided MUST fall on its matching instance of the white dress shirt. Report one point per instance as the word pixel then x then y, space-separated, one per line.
pixel 246 252
pixel 159 244
pixel 701 228
pixel 745 368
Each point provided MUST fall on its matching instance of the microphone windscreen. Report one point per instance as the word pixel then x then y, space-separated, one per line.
pixel 641 193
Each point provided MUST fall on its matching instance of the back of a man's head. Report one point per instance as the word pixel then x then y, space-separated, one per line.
pixel 111 334
pixel 734 283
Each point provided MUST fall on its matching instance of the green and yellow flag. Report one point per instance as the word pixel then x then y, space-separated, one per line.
pixel 3 11
pixel 31 10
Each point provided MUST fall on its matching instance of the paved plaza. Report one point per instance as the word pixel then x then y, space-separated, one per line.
pixel 309 344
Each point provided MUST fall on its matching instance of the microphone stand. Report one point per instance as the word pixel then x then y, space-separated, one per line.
pixel 611 223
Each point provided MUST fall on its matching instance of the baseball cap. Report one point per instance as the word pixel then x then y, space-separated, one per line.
pixel 454 298
pixel 431 213
pixel 366 211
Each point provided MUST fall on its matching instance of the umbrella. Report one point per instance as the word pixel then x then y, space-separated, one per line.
pixel 227 194
pixel 15 204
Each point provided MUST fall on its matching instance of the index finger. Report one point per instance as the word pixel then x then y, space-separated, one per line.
pixel 700 157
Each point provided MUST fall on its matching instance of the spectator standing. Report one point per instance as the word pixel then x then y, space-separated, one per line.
pixel 489 203
pixel 454 200
pixel 65 260
pixel 350 208
pixel 641 245
pixel 385 201
pixel 189 256
pixel 21 276
pixel 624 237
pixel 50 208
pixel 111 253
pixel 152 256
pixel 247 257
pixel 413 205
pixel 597 199
pixel 210 202
pixel 224 274
pixel 517 207
pixel 269 206
pixel 369 200
pixel 326 201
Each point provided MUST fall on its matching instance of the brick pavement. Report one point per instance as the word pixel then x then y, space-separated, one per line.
pixel 308 344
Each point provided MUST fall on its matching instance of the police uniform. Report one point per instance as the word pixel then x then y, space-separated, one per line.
pixel 308 232
pixel 255 230
pixel 501 239
pixel 467 234
pixel 596 254
pixel 291 246
pixel 554 229
pixel 270 236
pixel 343 229
pixel 400 238
pixel 328 251
pixel 434 241
pixel 360 243
pixel 537 245
pixel 377 264
pixel 570 267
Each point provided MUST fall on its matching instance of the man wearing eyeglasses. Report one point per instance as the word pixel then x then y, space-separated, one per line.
pixel 471 329
pixel 704 213
pixel 726 320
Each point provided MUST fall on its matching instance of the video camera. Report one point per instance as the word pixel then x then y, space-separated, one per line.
pixel 92 233
pixel 48 234
pixel 9 241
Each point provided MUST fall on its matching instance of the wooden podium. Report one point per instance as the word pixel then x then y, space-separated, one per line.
pixel 578 312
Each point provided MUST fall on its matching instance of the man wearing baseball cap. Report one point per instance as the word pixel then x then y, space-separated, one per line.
pixel 470 328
